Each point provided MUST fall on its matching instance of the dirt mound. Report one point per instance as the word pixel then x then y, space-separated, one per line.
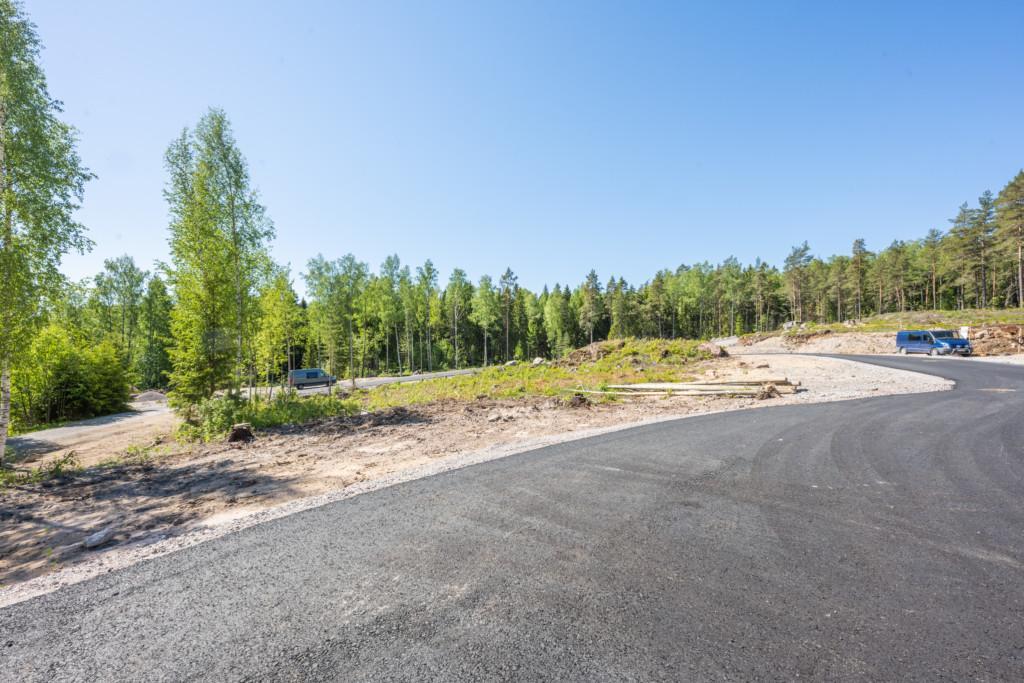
pixel 591 353
pixel 151 395
pixel 997 340
pixel 824 341
pixel 713 350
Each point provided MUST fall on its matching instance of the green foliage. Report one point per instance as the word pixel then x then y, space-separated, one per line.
pixel 215 416
pixel 219 233
pixel 42 181
pixel 61 379
pixel 154 363
pixel 65 466
pixel 279 317
pixel 611 362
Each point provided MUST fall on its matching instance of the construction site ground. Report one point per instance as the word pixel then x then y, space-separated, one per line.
pixel 154 496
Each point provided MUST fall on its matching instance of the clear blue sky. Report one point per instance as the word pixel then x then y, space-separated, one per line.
pixel 551 137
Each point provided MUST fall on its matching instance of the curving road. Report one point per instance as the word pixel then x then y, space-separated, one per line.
pixel 875 539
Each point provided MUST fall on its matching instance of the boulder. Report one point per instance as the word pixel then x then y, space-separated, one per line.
pixel 100 537
pixel 713 350
pixel 578 401
pixel 538 361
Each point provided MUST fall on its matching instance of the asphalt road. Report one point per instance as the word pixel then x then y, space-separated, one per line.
pixel 875 539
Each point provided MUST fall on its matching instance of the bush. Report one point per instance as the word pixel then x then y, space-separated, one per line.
pixel 215 416
pixel 59 380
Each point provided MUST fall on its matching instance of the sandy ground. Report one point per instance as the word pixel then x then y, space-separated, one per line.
pixel 160 503
pixel 855 343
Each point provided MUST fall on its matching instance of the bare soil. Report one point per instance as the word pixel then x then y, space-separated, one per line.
pixel 162 501
pixel 855 343
pixel 987 340
pixel 100 438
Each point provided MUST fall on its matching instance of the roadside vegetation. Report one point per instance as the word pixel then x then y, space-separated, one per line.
pixel 214 417
pixel 592 367
pixel 589 368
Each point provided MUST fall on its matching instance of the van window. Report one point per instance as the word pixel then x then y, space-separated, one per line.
pixel 914 337
pixel 312 375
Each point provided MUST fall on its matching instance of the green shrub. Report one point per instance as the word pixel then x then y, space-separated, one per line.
pixel 61 379
pixel 64 466
pixel 215 416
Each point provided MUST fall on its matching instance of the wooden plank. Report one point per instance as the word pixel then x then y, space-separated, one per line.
pixel 669 386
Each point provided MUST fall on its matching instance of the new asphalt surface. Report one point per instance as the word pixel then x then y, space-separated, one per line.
pixel 874 539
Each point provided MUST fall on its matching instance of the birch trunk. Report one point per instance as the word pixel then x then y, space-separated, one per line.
pixel 5 407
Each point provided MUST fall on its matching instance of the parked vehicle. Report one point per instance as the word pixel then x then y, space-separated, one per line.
pixel 932 342
pixel 310 377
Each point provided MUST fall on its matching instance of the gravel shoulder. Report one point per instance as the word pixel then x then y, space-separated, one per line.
pixel 1008 360
pixel 163 502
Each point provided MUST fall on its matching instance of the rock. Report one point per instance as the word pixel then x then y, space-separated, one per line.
pixel 494 417
pixel 713 350
pixel 538 361
pixel 578 401
pixel 788 325
pixel 767 391
pixel 67 550
pixel 100 537
pixel 241 432
pixel 511 363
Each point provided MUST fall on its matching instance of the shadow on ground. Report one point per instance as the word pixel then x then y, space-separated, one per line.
pixel 43 526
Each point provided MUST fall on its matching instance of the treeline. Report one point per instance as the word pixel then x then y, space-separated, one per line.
pixel 221 315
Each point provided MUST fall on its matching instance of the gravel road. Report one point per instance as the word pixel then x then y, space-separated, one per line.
pixel 875 539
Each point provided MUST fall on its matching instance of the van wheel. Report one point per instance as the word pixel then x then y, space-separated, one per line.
pixel 902 351
pixel 933 352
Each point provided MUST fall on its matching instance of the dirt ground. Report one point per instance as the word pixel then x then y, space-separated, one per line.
pixel 855 343
pixel 987 340
pixel 170 497
pixel 100 438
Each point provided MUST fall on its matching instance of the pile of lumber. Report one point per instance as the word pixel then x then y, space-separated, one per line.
pixel 756 388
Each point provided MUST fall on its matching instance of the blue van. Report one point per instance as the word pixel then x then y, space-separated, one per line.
pixel 932 342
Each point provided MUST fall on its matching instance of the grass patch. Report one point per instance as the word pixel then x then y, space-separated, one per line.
pixel 215 416
pixel 65 466
pixel 593 367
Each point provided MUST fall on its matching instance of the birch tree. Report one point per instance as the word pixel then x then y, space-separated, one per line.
pixel 485 309
pixel 1010 212
pixel 219 236
pixel 42 181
